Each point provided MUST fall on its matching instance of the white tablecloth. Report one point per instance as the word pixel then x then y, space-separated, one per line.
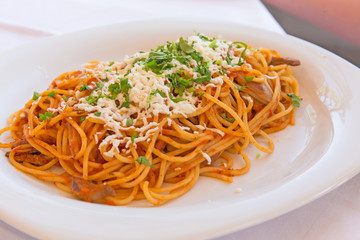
pixel 334 216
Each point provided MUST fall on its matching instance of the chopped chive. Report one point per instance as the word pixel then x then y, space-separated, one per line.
pixel 65 98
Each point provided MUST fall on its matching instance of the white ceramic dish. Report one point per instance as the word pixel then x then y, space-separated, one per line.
pixel 310 159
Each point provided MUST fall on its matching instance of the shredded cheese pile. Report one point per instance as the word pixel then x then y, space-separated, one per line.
pixel 163 81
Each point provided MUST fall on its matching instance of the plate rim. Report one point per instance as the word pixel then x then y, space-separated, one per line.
pixel 229 229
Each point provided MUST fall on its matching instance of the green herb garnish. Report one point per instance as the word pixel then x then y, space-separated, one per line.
pixel 126 104
pixel 129 121
pixel 99 85
pixel 223 115
pixel 213 44
pixel 51 94
pixel 176 100
pixel 240 88
pixel 35 96
pixel 84 87
pixel 46 116
pixel 242 56
pixel 144 160
pixel 295 99
pixel 82 118
pixel 249 78
pixel 135 135
pixel 97 114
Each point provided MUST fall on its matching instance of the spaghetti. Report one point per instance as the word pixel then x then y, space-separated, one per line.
pixel 149 126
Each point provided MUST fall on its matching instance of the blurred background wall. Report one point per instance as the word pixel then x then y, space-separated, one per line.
pixel 301 28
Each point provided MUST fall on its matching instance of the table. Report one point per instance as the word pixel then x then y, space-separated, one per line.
pixel 333 216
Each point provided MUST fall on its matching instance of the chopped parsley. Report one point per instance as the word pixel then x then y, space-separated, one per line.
pixel 35 96
pixel 145 161
pixel 185 47
pixel 191 90
pixel 241 88
pixel 126 104
pixel 295 99
pixel 228 59
pixel 51 94
pixel 84 87
pixel 97 114
pixel 249 78
pixel 91 99
pixel 135 135
pixel 82 118
pixel 153 92
pixel 99 85
pixel 200 95
pixel 46 116
pixel 114 89
pixel 242 56
pixel 213 44
pixel 176 100
pixel 65 98
pixel 117 88
pixel 112 63
pixel 129 122
pixel 218 62
pixel 223 115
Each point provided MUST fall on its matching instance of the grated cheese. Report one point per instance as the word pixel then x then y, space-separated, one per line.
pixel 207 157
pixel 148 93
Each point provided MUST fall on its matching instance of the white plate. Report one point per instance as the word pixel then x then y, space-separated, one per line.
pixel 310 158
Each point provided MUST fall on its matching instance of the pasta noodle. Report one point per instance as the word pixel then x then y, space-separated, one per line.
pixel 148 127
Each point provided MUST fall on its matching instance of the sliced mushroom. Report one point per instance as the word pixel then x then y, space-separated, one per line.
pixel 33 157
pixel 284 60
pixel 91 192
pixel 259 91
